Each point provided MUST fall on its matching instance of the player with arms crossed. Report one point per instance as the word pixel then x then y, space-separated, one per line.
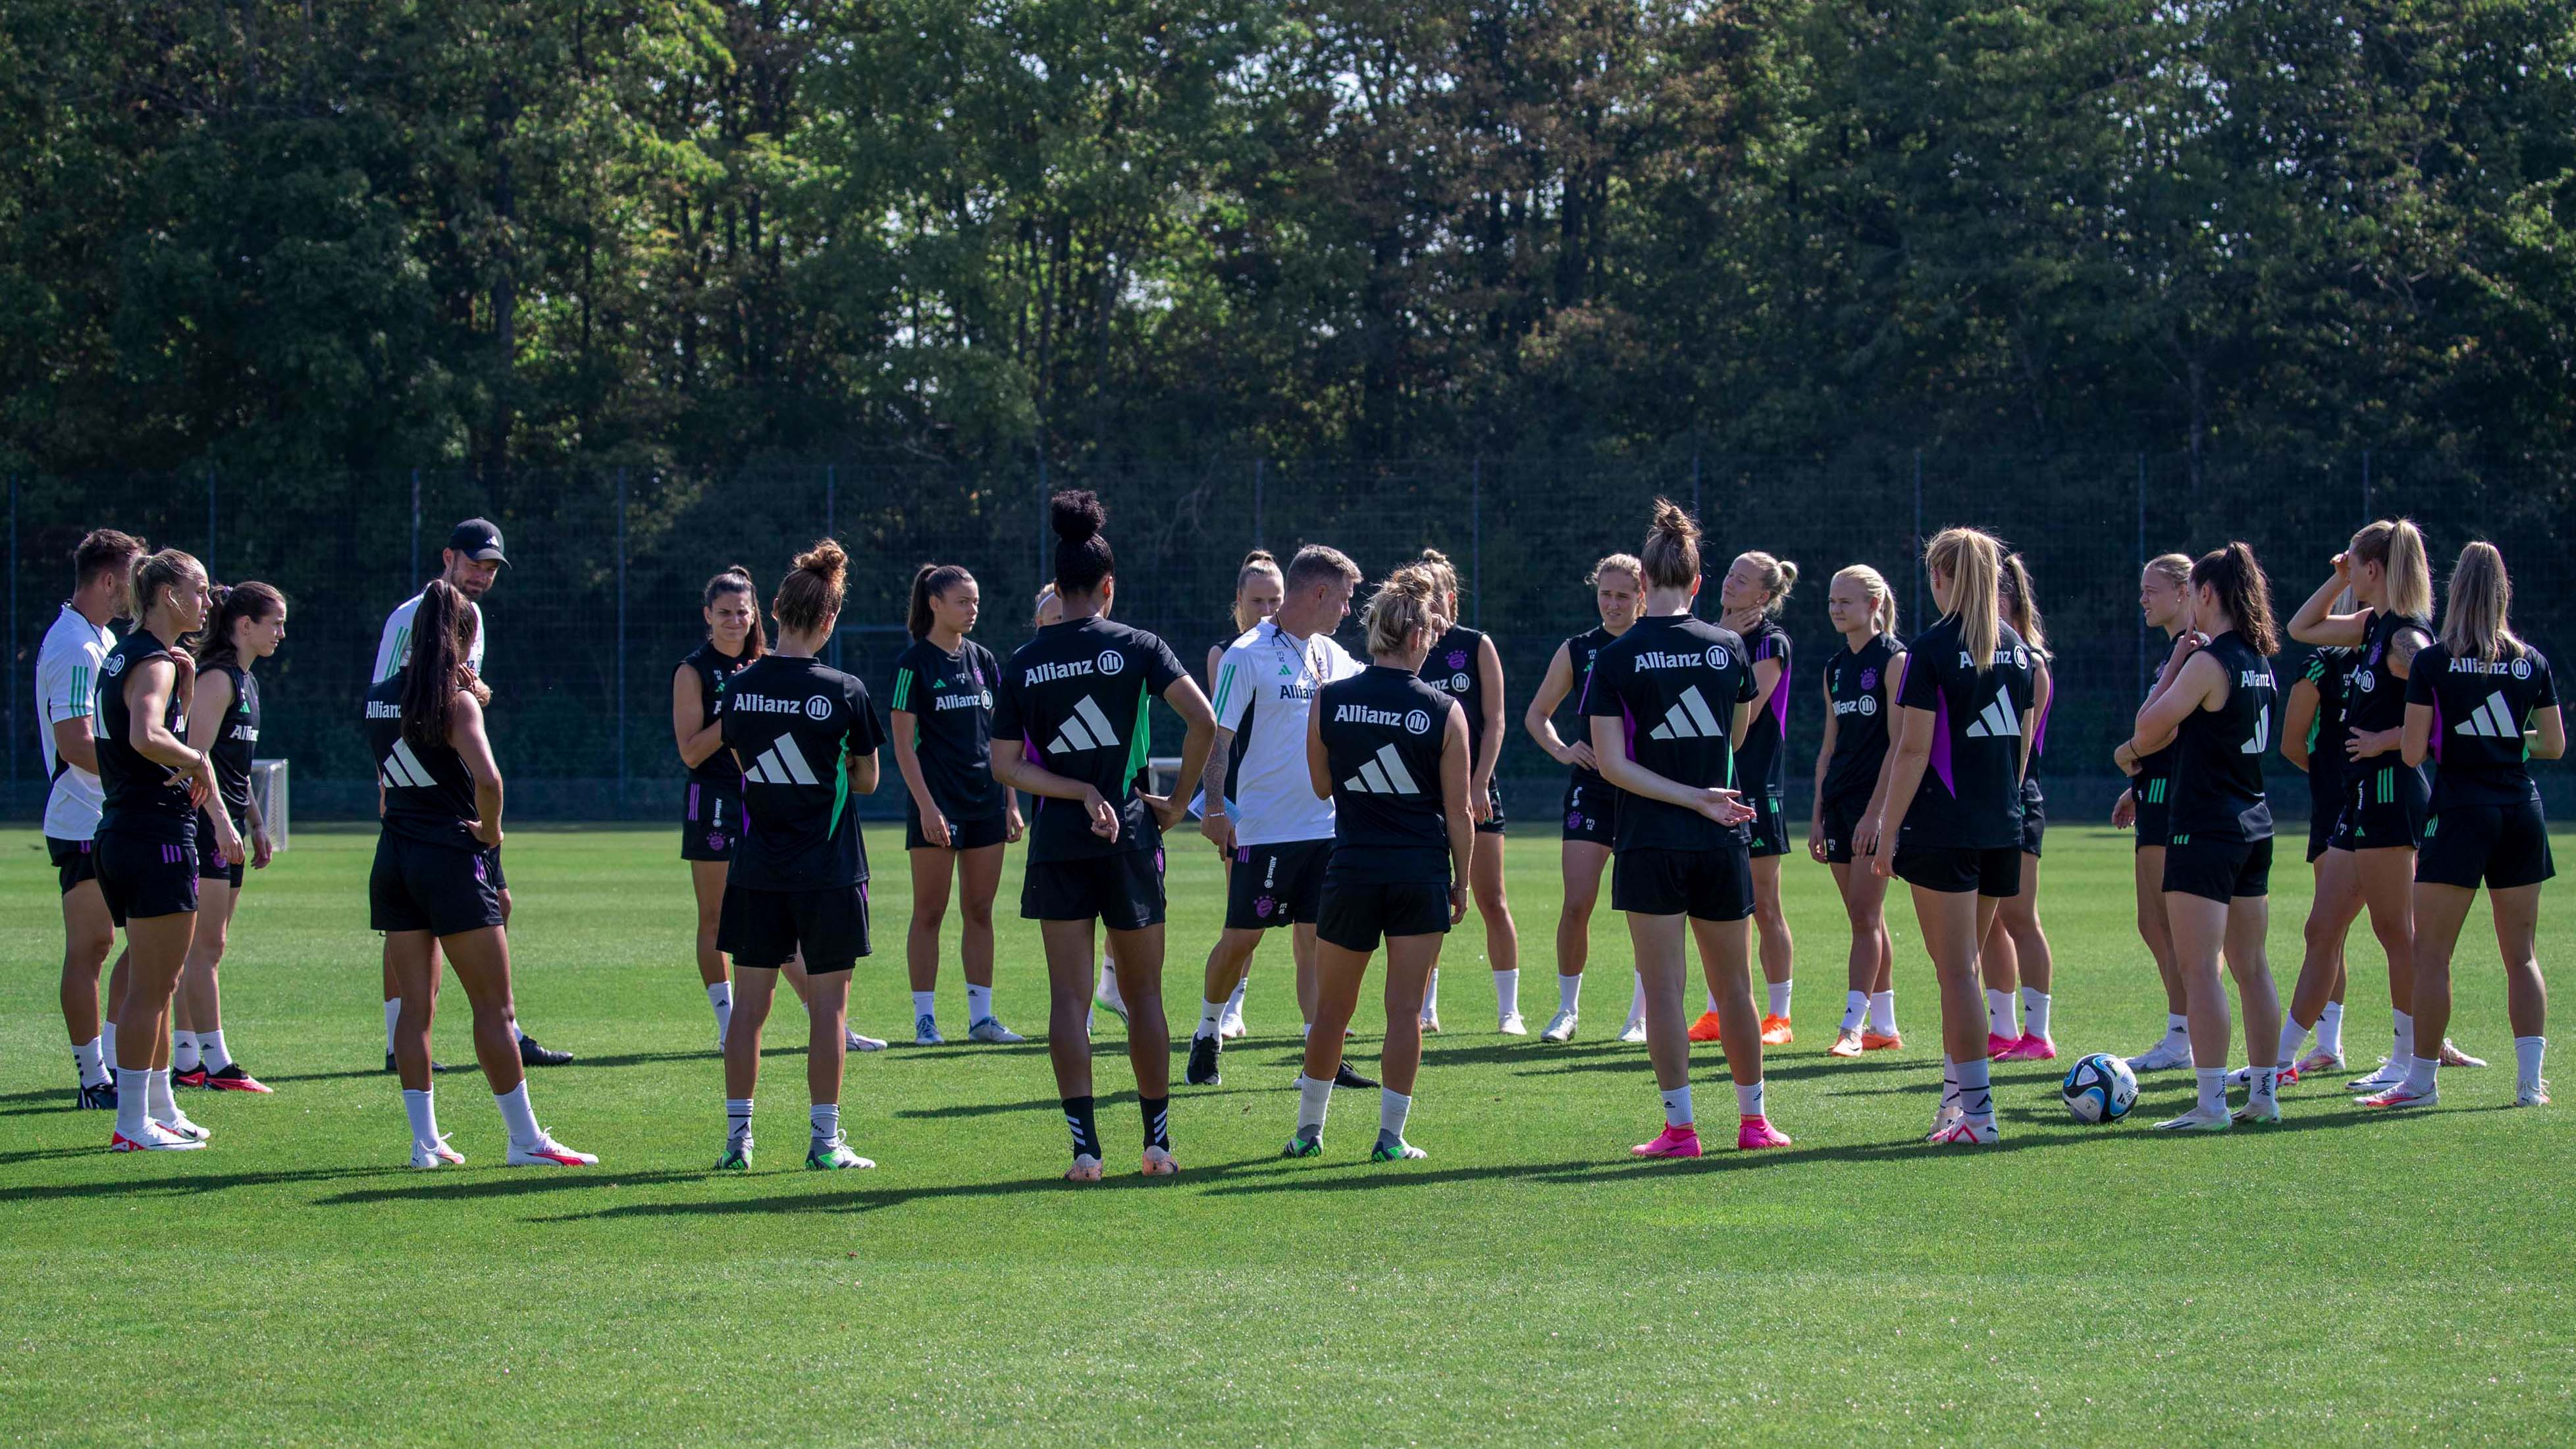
pixel 1862 681
pixel 1666 703
pixel 1070 727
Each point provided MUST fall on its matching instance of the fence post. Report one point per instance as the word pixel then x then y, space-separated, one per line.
pixel 2142 565
pixel 832 529
pixel 14 671
pixel 1042 521
pixel 1257 541
pixel 210 523
pixel 1917 544
pixel 2365 485
pixel 1476 540
pixel 414 576
pixel 621 639
pixel 1695 513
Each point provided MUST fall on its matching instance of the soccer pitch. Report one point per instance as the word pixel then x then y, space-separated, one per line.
pixel 2336 1280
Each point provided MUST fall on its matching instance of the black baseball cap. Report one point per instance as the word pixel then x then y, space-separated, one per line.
pixel 477 538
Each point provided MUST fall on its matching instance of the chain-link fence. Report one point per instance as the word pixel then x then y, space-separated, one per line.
pixel 602 595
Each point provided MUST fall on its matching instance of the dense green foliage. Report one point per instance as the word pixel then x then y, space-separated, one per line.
pixel 300 236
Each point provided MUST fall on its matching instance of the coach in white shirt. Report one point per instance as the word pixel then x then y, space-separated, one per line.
pixel 472 563
pixel 67 667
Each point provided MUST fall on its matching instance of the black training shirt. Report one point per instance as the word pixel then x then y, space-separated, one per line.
pixel 1970 798
pixel 1076 698
pixel 2480 709
pixel 1382 730
pixel 793 723
pixel 1856 686
pixel 1673 682
pixel 950 699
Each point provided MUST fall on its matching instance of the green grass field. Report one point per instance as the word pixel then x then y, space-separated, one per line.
pixel 2336 1281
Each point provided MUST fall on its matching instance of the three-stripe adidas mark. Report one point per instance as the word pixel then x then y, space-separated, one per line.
pixel 1384 775
pixel 1689 718
pixel 781 764
pixel 1088 729
pixel 1997 721
pixel 403 770
pixel 2490 720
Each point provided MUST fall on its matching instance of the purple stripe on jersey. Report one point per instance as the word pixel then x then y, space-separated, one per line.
pixel 1780 701
pixel 693 801
pixel 1628 723
pixel 2039 727
pixel 2437 730
pixel 1941 744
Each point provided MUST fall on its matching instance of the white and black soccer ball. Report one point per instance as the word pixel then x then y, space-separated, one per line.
pixel 2100 1088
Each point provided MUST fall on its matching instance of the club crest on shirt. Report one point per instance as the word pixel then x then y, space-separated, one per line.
pixel 1869 678
pixel 1457 658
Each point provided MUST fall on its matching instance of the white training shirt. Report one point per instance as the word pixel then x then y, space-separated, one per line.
pixel 395 646
pixel 1265 683
pixel 67 688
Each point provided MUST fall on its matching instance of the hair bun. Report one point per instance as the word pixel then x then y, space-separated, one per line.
pixel 1077 515
pixel 1788 575
pixel 1673 520
pixel 827 558
pixel 1259 556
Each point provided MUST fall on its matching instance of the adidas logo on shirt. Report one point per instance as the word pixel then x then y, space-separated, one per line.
pixel 781 764
pixel 1689 718
pixel 2489 721
pixel 1089 729
pixel 1384 775
pixel 1997 722
pixel 402 769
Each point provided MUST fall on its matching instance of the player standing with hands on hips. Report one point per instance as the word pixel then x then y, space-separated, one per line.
pixel 223 720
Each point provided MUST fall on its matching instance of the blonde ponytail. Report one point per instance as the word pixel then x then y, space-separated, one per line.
pixel 2397 546
pixel 1973 560
pixel 1776 576
pixel 1882 599
pixel 2476 618
pixel 1407 600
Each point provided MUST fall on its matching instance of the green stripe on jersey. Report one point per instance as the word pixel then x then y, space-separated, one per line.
pixel 1224 687
pixel 902 689
pixel 1140 745
pixel 840 792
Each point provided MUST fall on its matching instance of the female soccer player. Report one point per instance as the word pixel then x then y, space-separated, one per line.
pixel 2015 954
pixel 1862 682
pixel 805 736
pixel 956 819
pixel 2216 702
pixel 2312 739
pixel 1070 727
pixel 2480 702
pixel 1591 806
pixel 1391 753
pixel 2164 598
pixel 1668 701
pixel 1755 589
pixel 147 847
pixel 223 721
pixel 1954 803
pixel 2382 819
pixel 1258 588
pixel 1464 665
pixel 433 880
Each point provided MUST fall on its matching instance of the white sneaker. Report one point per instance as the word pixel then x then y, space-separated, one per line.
pixel 1945 1117
pixel 1560 1027
pixel 925 1032
pixel 1633 1033
pixel 858 1043
pixel 549 1153
pixel 2171 1052
pixel 1963 1133
pixel 2390 1072
pixel 1430 1019
pixel 154 1140
pixel 2196 1121
pixel 1512 1025
pixel 991 1030
pixel 436 1154
pixel 1230 1027
pixel 2534 1095
pixel 178 1125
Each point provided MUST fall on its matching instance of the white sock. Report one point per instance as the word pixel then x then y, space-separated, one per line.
pixel 2034 1012
pixel 2177 1024
pixel 422 1109
pixel 979 1003
pixel 2420 1073
pixel 2527 1053
pixel 2330 1029
pixel 1882 1012
pixel 720 997
pixel 133 1089
pixel 1314 1098
pixel 1507 992
pixel 1392 1108
pixel 1949 1084
pixel 2293 1036
pixel 737 1119
pixel 1569 992
pixel 825 1119
pixel 1855 1009
pixel 1431 995
pixel 2405 1022
pixel 1748 1100
pixel 1107 990
pixel 1976 1089
pixel 1210 1013
pixel 925 1003
pixel 2213 1090
pixel 1677 1107
pixel 157 1101
pixel 519 1031
pixel 519 1116
pixel 1999 1013
pixel 393 1014
pixel 211 1053
pixel 1636 1001
pixel 1780 998
pixel 92 1063
pixel 183 1051
pixel 1234 1003
pixel 107 1048
pixel 1712 1002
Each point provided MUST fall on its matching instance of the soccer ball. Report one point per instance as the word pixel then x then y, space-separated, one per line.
pixel 2100 1088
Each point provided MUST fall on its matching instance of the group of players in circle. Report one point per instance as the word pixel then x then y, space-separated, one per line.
pixel 1355 804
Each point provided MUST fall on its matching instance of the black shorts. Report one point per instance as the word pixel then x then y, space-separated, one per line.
pixel 2218 870
pixel 211 864
pixel 1994 872
pixel 1707 885
pixel 1840 820
pixel 2383 809
pixel 1770 823
pixel 2034 817
pixel 2502 845
pixel 1124 891
pixel 2155 811
pixel 710 821
pixel 445 890
pixel 962 834
pixel 74 861
pixel 1276 885
pixel 145 878
pixel 1592 811
pixel 1358 909
pixel 766 929
pixel 1493 795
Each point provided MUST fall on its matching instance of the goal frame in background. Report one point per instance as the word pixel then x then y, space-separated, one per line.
pixel 269 790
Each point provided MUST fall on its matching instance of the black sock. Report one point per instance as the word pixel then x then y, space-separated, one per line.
pixel 1086 1136
pixel 1158 1121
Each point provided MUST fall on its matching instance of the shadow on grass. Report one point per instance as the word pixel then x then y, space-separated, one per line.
pixel 189 1185
pixel 866 1199
pixel 455 1185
